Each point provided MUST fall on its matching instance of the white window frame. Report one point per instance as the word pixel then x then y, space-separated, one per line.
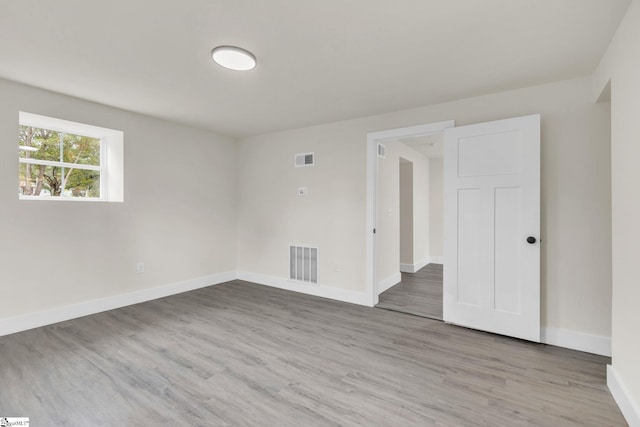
pixel 111 156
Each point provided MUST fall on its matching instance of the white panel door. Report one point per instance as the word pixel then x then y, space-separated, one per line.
pixel 492 227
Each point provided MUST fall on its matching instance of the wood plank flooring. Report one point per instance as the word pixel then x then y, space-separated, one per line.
pixel 418 293
pixel 241 354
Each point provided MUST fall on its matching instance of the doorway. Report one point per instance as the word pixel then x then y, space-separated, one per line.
pixel 406 273
pixel 492 204
pixel 420 290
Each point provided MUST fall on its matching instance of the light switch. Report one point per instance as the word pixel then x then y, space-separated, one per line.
pixel 389 212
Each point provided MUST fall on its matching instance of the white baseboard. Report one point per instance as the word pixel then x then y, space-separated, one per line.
pixel 574 340
pixel 389 282
pixel 559 337
pixel 407 268
pixel 353 297
pixel 412 268
pixel 60 314
pixel 621 395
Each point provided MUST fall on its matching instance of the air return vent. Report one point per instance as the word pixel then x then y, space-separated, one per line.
pixel 382 150
pixel 305 159
pixel 303 263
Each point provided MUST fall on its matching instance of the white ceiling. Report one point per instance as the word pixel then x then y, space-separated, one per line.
pixel 318 61
pixel 431 146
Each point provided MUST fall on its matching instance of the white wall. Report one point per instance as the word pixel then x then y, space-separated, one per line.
pixel 436 207
pixel 389 230
pixel 406 211
pixel 388 225
pixel 271 215
pixel 621 65
pixel 178 217
pixel 576 269
pixel 421 231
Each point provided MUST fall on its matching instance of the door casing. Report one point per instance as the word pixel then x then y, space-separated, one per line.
pixel 373 139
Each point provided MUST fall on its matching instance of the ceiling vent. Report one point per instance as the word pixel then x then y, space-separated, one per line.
pixel 382 151
pixel 303 263
pixel 305 159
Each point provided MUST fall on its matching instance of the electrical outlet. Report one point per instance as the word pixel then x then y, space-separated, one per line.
pixel 140 267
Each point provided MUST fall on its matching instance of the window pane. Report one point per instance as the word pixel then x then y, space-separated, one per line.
pixel 26 184
pixel 41 144
pixel 38 180
pixel 82 150
pixel 82 183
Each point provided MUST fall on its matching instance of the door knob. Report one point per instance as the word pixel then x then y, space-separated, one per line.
pixel 531 240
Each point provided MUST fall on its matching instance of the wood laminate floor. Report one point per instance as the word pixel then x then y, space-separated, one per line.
pixel 240 354
pixel 418 293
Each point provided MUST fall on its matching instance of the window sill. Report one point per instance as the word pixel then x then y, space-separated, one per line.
pixel 62 199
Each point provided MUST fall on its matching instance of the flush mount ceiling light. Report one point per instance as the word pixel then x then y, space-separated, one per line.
pixel 233 58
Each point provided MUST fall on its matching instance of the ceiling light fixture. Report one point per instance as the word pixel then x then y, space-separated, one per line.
pixel 233 58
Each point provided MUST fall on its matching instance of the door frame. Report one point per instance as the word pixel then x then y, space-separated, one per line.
pixel 373 139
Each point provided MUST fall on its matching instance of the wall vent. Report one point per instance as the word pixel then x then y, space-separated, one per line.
pixel 303 263
pixel 305 159
pixel 382 150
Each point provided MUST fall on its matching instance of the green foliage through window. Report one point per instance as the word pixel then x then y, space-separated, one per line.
pixel 58 164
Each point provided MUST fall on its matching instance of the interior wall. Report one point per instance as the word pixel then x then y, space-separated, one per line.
pixel 621 65
pixel 421 230
pixel 388 228
pixel 420 192
pixel 271 215
pixel 178 217
pixel 388 220
pixel 575 211
pixel 436 207
pixel 406 211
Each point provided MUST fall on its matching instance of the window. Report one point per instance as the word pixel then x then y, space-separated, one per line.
pixel 62 160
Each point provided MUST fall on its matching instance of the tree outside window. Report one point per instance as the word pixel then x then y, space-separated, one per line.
pixel 58 164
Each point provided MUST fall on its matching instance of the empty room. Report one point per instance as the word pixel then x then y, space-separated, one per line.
pixel 349 213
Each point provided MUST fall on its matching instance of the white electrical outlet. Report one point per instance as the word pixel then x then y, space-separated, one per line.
pixel 140 267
